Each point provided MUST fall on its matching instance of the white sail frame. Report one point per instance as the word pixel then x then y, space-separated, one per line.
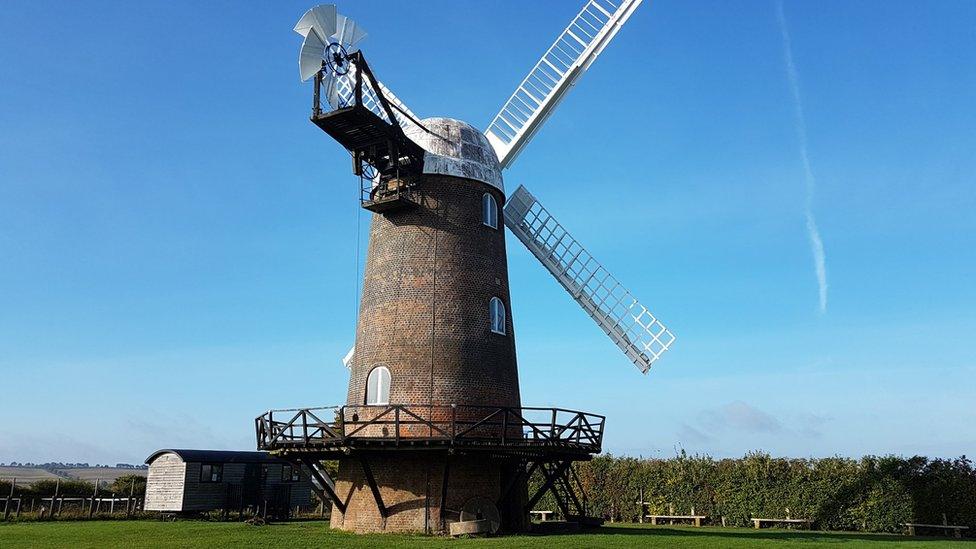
pixel 631 326
pixel 546 85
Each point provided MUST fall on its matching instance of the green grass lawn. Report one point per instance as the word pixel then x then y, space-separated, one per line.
pixel 213 535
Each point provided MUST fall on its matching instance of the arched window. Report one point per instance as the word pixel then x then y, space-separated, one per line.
pixel 378 386
pixel 489 211
pixel 497 309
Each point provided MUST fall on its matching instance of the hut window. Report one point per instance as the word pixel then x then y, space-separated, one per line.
pixel 497 310
pixel 211 472
pixel 289 474
pixel 378 386
pixel 489 211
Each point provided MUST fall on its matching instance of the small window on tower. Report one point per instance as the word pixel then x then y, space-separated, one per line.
pixel 378 386
pixel 497 316
pixel 489 211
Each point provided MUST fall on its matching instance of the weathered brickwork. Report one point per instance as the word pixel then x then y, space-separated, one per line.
pixel 411 490
pixel 431 272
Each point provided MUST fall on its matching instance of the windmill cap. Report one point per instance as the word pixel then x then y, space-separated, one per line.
pixel 457 148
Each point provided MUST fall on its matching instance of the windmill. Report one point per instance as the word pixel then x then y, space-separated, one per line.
pixel 433 435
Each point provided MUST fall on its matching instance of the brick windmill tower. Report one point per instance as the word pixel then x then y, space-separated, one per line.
pixel 433 435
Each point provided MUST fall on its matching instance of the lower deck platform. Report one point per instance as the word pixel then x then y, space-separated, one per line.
pixel 410 468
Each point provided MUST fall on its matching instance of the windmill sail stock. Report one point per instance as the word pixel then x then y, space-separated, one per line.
pixel 628 323
pixel 560 67
pixel 638 333
pixel 633 328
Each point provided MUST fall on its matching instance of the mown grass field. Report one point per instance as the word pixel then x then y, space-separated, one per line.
pixel 214 535
pixel 25 475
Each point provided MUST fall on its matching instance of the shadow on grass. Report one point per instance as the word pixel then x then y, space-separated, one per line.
pixel 766 534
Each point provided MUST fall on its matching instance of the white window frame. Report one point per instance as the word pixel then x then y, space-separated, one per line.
pixel 496 309
pixel 378 370
pixel 489 211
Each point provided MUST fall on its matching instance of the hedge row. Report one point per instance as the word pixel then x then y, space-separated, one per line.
pixel 873 494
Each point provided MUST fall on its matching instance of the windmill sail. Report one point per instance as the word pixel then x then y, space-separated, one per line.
pixel 547 83
pixel 638 333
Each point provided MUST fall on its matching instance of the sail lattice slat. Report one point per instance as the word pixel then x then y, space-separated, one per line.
pixel 631 326
pixel 544 87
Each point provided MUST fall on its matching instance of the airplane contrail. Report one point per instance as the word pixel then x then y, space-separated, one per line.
pixel 816 243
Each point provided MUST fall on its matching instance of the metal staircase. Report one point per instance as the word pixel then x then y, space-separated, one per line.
pixel 322 483
pixel 564 484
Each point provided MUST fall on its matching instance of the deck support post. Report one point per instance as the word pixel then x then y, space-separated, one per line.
pixel 444 481
pixel 520 472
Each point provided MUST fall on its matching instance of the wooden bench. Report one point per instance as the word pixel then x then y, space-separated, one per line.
pixel 957 530
pixel 804 523
pixel 695 519
pixel 644 507
pixel 544 516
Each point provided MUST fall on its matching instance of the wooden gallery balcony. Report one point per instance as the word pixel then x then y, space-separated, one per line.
pixel 519 432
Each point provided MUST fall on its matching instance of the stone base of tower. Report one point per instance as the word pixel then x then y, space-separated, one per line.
pixel 410 485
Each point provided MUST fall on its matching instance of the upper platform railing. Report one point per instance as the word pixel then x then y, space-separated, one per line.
pixel 358 86
pixel 479 427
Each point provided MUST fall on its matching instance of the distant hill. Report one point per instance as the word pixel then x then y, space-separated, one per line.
pixel 105 475
pixel 26 474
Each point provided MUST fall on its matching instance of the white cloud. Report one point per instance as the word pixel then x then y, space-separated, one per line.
pixel 739 416
pixel 816 243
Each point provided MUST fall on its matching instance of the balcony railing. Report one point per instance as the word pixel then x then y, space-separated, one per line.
pixel 486 427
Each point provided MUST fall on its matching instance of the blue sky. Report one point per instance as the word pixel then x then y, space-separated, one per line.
pixel 178 244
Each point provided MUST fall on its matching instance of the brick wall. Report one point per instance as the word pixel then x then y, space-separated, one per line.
pixel 410 485
pixel 430 274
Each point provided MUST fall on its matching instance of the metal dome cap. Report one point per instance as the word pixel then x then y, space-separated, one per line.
pixel 453 147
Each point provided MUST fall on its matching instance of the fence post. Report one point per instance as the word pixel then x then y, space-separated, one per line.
pixel 91 507
pixel 640 506
pixel 57 486
pixel 128 504
pixel 6 507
